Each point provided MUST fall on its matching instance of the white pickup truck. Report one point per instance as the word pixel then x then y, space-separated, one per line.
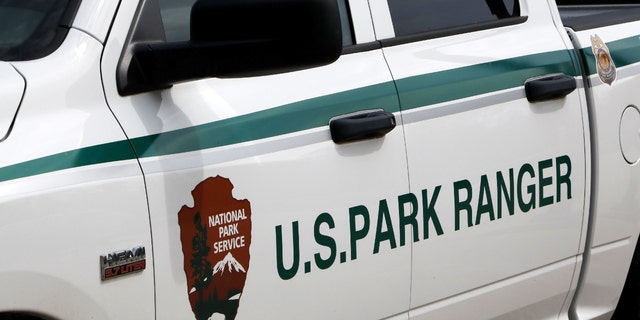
pixel 319 159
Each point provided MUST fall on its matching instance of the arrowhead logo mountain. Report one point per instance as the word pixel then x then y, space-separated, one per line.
pixel 215 236
pixel 230 262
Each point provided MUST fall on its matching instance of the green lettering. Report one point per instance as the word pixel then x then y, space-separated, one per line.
pixel 283 272
pixel 355 233
pixel 429 212
pixel 507 194
pixel 461 205
pixel 485 206
pixel 531 189
pixel 411 220
pixel 324 240
pixel 544 181
pixel 563 178
pixel 384 217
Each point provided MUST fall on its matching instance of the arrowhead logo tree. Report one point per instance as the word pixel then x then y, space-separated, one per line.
pixel 215 236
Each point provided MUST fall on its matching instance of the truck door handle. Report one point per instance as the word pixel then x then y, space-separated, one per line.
pixel 361 126
pixel 549 87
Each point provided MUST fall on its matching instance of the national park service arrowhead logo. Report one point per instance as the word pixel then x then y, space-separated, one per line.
pixel 215 236
pixel 604 63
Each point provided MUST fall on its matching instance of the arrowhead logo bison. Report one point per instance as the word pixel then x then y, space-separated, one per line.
pixel 215 236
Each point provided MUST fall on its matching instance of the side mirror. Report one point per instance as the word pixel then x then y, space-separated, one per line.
pixel 237 38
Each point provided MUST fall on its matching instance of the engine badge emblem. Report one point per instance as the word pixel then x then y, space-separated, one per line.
pixel 123 262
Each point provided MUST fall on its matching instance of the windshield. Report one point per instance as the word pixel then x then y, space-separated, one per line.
pixel 31 29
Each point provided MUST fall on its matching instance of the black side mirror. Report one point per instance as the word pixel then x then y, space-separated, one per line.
pixel 237 38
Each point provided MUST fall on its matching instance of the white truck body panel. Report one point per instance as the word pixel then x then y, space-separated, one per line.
pixel 54 210
pixel 95 17
pixel 614 222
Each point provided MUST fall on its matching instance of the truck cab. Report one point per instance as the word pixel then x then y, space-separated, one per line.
pixel 314 159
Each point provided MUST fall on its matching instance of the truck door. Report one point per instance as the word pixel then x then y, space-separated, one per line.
pixel 256 212
pixel 498 172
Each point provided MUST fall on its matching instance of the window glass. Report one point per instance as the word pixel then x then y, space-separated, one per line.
pixel 418 16
pixel 176 16
pixel 18 25
pixel 347 36
pixel 30 29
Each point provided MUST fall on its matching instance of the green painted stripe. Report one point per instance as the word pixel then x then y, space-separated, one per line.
pixel 309 114
pixel 298 116
pixel 438 87
pixel 109 152
pixel 303 115
pixel 624 52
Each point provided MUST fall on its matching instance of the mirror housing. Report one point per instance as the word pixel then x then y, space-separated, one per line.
pixel 236 38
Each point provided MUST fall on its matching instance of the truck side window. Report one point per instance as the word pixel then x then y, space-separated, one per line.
pixel 175 18
pixel 176 15
pixel 418 16
pixel 347 31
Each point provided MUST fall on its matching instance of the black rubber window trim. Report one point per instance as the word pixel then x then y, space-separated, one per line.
pixel 602 16
pixel 452 31
pixel 375 45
